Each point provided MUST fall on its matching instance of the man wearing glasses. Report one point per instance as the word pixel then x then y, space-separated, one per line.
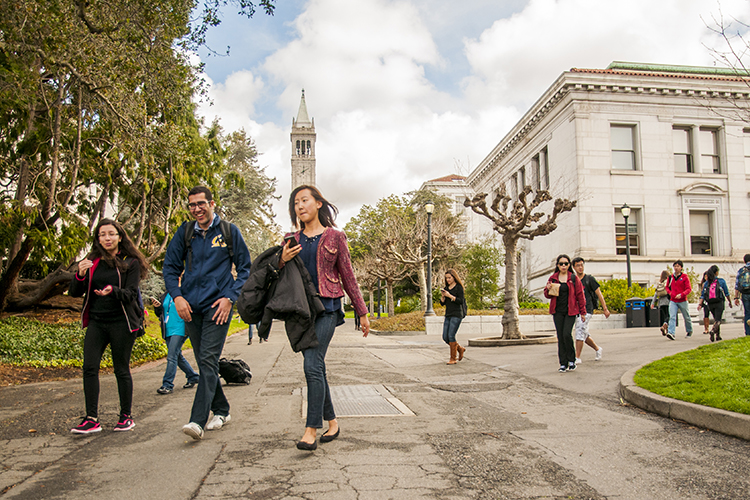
pixel 205 298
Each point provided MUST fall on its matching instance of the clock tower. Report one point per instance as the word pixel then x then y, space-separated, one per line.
pixel 303 147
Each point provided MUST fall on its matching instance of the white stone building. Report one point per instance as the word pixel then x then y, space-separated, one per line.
pixel 671 142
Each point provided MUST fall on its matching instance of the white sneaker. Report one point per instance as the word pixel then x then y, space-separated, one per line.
pixel 193 430
pixel 599 354
pixel 218 422
pixel 578 361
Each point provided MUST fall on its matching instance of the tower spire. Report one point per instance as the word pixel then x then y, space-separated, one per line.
pixel 302 117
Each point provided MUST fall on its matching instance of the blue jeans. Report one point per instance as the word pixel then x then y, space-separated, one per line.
pixel 450 327
pixel 319 404
pixel 176 359
pixel 683 308
pixel 208 341
pixel 746 307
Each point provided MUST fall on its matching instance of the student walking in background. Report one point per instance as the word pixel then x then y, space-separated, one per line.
pixel 108 278
pixel 742 291
pixel 679 288
pixel 452 296
pixel 661 300
pixel 591 292
pixel 173 332
pixel 567 301
pixel 713 295
pixel 205 297
pixel 325 254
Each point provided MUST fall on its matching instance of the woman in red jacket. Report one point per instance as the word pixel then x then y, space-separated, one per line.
pixel 567 301
pixel 325 254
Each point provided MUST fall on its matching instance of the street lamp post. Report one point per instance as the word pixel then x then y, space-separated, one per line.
pixel 625 211
pixel 429 207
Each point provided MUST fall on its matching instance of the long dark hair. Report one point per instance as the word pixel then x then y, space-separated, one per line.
pixel 326 214
pixel 557 261
pixel 453 273
pixel 125 248
pixel 711 273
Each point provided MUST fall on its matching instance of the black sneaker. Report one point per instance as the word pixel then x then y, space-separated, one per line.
pixel 670 336
pixel 125 424
pixel 190 385
pixel 562 369
pixel 571 367
pixel 163 390
pixel 88 425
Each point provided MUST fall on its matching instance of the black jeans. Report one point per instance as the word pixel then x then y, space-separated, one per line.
pixel 566 351
pixel 120 340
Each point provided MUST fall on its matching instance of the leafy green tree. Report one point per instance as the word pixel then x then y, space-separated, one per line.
pixel 482 261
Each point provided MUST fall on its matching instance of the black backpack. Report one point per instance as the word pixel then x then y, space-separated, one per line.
pixel 225 228
pixel 234 371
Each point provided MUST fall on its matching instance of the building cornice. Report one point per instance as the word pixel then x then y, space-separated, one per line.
pixel 619 82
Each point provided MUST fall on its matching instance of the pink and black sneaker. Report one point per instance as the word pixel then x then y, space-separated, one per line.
pixel 125 424
pixel 87 426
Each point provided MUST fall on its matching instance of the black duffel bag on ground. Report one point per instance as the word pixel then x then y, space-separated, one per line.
pixel 234 371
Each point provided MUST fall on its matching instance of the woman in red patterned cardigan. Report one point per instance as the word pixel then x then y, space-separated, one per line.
pixel 325 253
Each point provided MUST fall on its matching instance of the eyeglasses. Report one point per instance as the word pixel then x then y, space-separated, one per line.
pixel 563 263
pixel 195 206
pixel 111 235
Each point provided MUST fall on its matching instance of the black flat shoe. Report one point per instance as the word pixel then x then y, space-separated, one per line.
pixel 327 438
pixel 301 445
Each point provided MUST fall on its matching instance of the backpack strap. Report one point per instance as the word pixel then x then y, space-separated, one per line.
pixel 225 228
pixel 226 233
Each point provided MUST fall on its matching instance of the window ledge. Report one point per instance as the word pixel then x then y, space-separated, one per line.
pixel 625 172
pixel 700 175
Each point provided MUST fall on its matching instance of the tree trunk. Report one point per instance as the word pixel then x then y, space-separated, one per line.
pixel 54 284
pixel 372 306
pixel 510 320
pixel 389 293
pixel 423 290
pixel 9 281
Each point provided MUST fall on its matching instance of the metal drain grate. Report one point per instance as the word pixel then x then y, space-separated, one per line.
pixel 362 401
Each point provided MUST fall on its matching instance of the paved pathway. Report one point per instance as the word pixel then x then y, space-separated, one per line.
pixel 500 424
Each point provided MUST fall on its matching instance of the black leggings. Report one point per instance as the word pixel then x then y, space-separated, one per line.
pixel 118 336
pixel 566 351
pixel 717 310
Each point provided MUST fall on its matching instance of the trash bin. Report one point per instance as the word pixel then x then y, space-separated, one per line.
pixel 652 315
pixel 635 313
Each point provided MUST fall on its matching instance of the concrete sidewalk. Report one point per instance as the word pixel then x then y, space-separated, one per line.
pixel 503 423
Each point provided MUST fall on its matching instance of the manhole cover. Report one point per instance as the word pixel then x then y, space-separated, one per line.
pixel 362 401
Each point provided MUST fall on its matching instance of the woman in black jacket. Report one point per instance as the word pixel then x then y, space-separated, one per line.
pixel 453 298
pixel 109 278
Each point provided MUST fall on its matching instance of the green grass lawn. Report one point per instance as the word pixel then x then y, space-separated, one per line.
pixel 713 375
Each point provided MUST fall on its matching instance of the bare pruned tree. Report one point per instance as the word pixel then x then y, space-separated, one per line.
pixel 514 221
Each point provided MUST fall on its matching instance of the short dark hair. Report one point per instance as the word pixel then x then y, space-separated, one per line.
pixel 577 260
pixel 199 190
pixel 747 258
pixel 678 262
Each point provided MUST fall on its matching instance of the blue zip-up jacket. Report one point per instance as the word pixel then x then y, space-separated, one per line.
pixel 211 276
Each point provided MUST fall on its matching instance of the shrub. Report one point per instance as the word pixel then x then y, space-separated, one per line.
pixel 616 292
pixel 409 304
pixel 29 342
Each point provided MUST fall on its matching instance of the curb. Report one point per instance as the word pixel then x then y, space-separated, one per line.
pixel 723 421
pixel 533 339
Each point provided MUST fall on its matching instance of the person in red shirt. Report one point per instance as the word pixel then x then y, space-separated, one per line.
pixel 678 286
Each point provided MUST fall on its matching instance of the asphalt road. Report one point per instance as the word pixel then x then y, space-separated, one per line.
pixel 503 423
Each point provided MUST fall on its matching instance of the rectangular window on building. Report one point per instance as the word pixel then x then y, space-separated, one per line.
pixel 623 147
pixel 633 232
pixel 747 150
pixel 683 149
pixel 537 173
pixel 709 145
pixel 459 207
pixel 544 160
pixel 701 232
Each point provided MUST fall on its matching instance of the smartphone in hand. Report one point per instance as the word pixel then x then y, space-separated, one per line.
pixel 291 240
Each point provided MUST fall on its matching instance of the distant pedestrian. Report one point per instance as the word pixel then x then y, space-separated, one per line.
pixel 453 298
pixel 661 300
pixel 706 314
pixel 205 250
pixel 324 252
pixel 592 292
pixel 567 301
pixel 742 290
pixel 679 288
pixel 713 295
pixel 173 332
pixel 250 334
pixel 109 277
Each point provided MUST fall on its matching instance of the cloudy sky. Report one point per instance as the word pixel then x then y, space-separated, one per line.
pixel 410 90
